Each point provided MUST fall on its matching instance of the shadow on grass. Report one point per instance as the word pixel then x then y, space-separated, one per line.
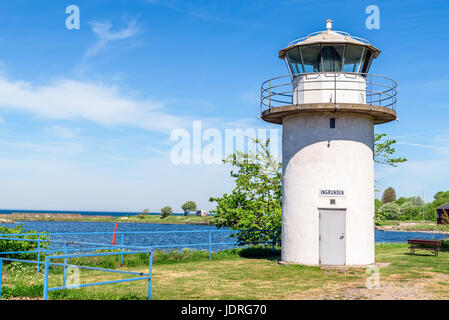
pixel 266 253
pixel 419 254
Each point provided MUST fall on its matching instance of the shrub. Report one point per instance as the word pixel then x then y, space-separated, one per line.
pixel 445 245
pixel 409 211
pixel 390 211
pixel 10 246
pixel 166 211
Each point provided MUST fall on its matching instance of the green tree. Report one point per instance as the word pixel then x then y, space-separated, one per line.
pixel 143 214
pixel 384 150
pixel 389 195
pixel 401 201
pixel 256 201
pixel 440 198
pixel 377 204
pixel 188 207
pixel 409 211
pixel 166 211
pixel 389 211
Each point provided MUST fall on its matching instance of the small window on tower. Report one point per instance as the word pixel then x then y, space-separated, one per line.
pixel 332 123
pixel 332 201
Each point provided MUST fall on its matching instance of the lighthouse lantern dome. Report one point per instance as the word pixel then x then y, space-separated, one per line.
pixel 329 51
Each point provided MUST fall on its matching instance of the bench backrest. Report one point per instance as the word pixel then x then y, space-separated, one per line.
pixel 425 242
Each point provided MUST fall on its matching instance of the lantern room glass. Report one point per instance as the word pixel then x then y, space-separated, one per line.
pixel 353 58
pixel 332 57
pixel 329 58
pixel 311 58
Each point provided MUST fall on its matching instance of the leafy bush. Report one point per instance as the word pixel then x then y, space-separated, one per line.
pixel 409 211
pixel 166 211
pixel 389 211
pixel 15 245
pixel 22 290
pixel 445 245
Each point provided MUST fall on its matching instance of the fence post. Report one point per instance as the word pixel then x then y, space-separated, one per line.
pixel 274 241
pixel 38 252
pixel 150 271
pixel 1 271
pixel 121 249
pixel 47 262
pixel 210 245
pixel 65 263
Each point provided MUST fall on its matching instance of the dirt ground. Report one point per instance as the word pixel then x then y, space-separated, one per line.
pixel 433 288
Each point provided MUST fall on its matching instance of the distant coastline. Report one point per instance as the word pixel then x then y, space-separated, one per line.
pixel 83 213
pixel 27 215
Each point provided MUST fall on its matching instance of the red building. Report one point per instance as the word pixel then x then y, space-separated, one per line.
pixel 440 211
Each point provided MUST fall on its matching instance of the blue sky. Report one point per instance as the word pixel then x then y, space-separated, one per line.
pixel 86 115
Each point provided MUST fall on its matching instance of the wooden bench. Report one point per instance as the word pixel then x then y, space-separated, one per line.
pixel 420 244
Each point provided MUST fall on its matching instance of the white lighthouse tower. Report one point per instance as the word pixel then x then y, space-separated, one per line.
pixel 328 106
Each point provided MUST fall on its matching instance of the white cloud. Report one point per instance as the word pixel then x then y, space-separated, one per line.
pixel 92 101
pixel 415 177
pixel 102 30
pixel 43 148
pixel 426 146
pixel 59 131
pixel 61 184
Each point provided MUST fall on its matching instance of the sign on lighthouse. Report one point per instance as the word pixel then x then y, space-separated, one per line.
pixel 328 105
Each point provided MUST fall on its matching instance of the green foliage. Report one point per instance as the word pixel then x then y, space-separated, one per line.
pixel 377 204
pixel 10 245
pixel 445 244
pixel 383 151
pixel 166 211
pixel 143 214
pixel 22 290
pixel 410 211
pixel 389 211
pixel 401 201
pixel 256 201
pixel 440 198
pixel 188 207
pixel 389 195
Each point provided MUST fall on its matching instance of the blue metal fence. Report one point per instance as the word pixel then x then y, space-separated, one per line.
pixel 67 248
pixel 87 248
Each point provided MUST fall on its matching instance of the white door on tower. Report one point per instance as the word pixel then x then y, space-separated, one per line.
pixel 332 237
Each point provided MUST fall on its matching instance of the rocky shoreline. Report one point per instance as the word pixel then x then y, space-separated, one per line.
pixel 405 229
pixel 17 216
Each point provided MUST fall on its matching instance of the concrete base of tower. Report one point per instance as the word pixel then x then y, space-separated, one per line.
pixel 328 189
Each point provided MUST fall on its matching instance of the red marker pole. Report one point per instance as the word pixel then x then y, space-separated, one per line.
pixel 115 233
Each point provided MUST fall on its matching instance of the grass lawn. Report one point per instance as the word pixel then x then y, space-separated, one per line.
pixel 251 274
